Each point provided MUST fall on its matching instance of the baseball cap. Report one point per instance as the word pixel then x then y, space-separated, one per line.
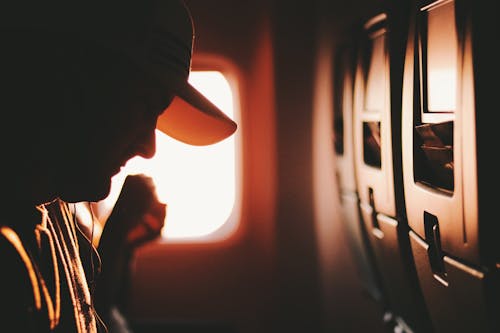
pixel 156 35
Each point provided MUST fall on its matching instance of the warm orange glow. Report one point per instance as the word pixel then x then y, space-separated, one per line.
pixel 442 52
pixel 376 81
pixel 196 182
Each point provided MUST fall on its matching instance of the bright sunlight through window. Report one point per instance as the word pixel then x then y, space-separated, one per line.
pixel 196 182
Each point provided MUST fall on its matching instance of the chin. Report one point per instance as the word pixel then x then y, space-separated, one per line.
pixel 90 192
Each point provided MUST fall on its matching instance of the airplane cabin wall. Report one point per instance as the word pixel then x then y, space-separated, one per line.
pixel 224 286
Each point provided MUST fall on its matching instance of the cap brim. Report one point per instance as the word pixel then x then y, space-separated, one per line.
pixel 191 118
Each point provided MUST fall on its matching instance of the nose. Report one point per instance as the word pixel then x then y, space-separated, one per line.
pixel 146 144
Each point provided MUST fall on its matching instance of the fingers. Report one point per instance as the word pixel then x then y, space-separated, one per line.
pixel 140 182
pixel 138 195
pixel 149 229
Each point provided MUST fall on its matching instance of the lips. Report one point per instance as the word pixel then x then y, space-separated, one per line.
pixel 117 169
pixel 121 164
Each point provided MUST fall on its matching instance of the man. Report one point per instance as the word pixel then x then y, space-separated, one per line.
pixel 84 84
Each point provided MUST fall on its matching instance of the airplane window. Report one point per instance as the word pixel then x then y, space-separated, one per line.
pixel 198 183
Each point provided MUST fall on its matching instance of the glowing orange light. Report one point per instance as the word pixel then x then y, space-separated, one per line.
pixel 442 49
pixel 376 84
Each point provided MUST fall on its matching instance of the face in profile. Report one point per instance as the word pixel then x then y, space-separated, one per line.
pixel 112 120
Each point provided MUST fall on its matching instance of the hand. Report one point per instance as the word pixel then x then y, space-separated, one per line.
pixel 138 215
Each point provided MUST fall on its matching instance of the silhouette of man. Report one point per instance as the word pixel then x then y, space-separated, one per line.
pixel 84 85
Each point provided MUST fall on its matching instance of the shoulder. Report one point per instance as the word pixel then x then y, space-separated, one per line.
pixel 18 281
pixel 12 253
pixel 18 271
